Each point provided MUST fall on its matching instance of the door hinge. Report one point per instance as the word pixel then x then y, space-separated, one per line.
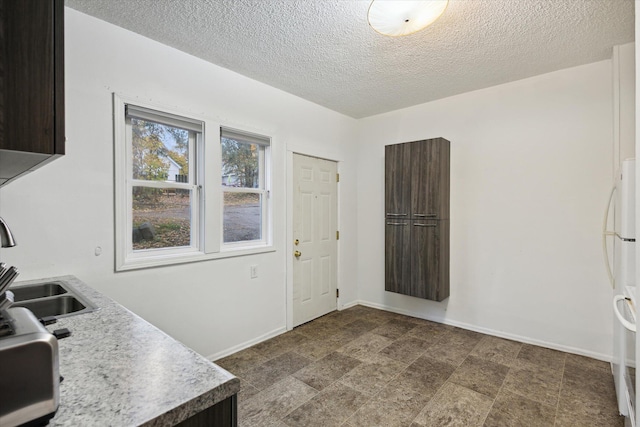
pixel 337 177
pixel 337 235
pixel 337 293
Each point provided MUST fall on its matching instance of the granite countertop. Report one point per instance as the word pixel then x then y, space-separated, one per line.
pixel 119 370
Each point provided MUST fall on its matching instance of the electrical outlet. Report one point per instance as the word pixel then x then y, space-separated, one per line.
pixel 254 271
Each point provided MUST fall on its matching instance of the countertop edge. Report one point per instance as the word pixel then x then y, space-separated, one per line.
pixel 196 388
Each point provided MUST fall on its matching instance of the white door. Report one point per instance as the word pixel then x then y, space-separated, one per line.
pixel 315 218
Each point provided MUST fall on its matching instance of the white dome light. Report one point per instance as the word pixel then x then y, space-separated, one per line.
pixel 399 18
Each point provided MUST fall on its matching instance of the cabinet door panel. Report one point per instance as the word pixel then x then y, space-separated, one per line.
pixel 397 262
pixel 430 179
pixel 32 76
pixel 430 260
pixel 397 191
pixel 424 259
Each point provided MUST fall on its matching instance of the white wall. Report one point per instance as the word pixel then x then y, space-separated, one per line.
pixel 63 211
pixel 530 175
pixel 531 169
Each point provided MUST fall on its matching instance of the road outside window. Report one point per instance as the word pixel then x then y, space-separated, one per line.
pixel 244 187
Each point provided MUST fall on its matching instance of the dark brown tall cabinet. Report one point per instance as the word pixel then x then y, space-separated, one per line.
pixel 31 85
pixel 417 218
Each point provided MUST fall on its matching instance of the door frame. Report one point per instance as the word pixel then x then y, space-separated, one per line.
pixel 289 247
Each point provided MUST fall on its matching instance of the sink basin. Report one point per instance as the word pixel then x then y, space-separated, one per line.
pixel 51 299
pixel 58 306
pixel 22 293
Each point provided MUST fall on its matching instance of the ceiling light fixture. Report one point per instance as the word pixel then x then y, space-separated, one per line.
pixel 400 18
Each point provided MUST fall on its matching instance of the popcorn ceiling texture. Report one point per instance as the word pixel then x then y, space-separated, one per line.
pixel 325 51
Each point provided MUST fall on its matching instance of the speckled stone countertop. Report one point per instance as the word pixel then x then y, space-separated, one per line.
pixel 119 370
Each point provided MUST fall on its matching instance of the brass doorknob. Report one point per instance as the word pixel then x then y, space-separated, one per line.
pixel 297 254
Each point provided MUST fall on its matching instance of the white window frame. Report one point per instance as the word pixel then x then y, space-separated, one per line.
pixel 263 189
pixel 205 182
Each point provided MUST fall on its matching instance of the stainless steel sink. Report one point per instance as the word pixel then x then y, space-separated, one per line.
pixel 58 306
pixel 51 299
pixel 22 293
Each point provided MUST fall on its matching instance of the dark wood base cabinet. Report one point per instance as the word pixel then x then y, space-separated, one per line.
pixel 417 219
pixel 222 414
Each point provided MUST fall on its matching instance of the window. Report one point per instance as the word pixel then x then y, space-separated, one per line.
pixel 243 187
pixel 184 196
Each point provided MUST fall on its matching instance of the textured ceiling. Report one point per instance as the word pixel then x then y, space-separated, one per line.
pixel 325 51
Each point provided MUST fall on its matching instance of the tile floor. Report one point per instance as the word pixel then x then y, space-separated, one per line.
pixel 368 367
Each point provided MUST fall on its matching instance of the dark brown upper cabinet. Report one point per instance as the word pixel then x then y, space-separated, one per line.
pixel 417 218
pixel 398 183
pixel 429 179
pixel 31 85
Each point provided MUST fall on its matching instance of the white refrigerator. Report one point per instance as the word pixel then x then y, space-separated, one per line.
pixel 623 280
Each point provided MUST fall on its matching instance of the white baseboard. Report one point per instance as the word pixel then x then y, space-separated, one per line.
pixel 487 331
pixel 437 319
pixel 246 344
pixel 269 335
pixel 348 305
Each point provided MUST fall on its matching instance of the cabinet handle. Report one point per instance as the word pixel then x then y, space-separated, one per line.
pixel 431 214
pixel 395 214
pixel 397 223
pixel 424 225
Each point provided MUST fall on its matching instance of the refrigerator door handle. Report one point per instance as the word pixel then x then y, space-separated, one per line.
pixel 606 233
pixel 630 326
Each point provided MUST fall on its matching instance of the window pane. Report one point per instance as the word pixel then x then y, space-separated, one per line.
pixel 160 152
pixel 161 218
pixel 240 163
pixel 242 216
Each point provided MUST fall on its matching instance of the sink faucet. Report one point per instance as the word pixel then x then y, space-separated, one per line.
pixel 7 275
pixel 6 238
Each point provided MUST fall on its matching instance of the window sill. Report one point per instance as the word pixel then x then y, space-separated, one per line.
pixel 177 259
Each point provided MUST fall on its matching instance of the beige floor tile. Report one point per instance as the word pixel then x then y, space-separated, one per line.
pixel 279 345
pixel 497 350
pixel 373 375
pixel 510 410
pixel 534 382
pixel 598 383
pixel 428 331
pixel 316 349
pixel 394 406
pixel 365 345
pixel 316 330
pixel 464 335
pixel 273 403
pixel 588 392
pixel 455 405
pixel 331 407
pixel 262 376
pixel 406 349
pixel 246 390
pixel 241 362
pixel 379 316
pixel 425 375
pixel 483 376
pixel 346 316
pixel 378 368
pixel 453 347
pixel 568 418
pixel 540 356
pixel 394 329
pixel 324 372
pixel 574 360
